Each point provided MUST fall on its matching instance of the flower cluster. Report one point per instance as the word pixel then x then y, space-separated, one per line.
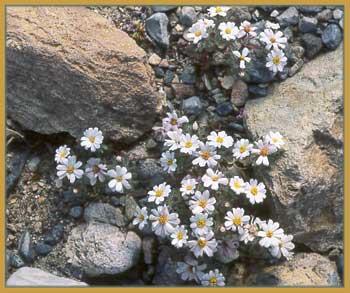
pixel 95 170
pixel 224 31
pixel 200 190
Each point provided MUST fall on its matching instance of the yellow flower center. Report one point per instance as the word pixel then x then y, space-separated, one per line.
pixel 215 178
pixel 198 33
pixel 201 223
pixel 276 60
pixel 218 9
pixel 247 28
pixel 202 203
pixel 237 221
pixel 219 139
pixel 163 219
pixel 254 191
pixel 228 31
pixel 242 58
pixel 275 140
pixel 280 244
pixel 70 169
pixel 92 139
pixel 236 185
pixel 264 151
pixel 180 236
pixel 170 162
pixel 188 144
pixel 205 155
pixel 189 187
pixel 242 149
pixel 95 169
pixel 269 233
pixel 173 121
pixel 202 242
pixel 119 178
pixel 159 192
pixel 213 281
pixel 63 154
pixel 272 39
pixel 141 217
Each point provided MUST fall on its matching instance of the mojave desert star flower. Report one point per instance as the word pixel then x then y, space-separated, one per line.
pixel 62 153
pixel 190 269
pixel 92 139
pixel 174 139
pixel 213 279
pixel 173 122
pixel 164 223
pixel 188 186
pixel 95 170
pixel 276 60
pixel 220 139
pixel 197 32
pixel 243 57
pixel 168 162
pixel 141 216
pixel 272 39
pixel 179 236
pixel 242 149
pixel 237 184
pixel 263 150
pixel 218 10
pixel 213 179
pixel 205 244
pixel 235 220
pixel 202 203
pixel 201 224
pixel 189 144
pixel 206 156
pixel 70 168
pixel 246 29
pixel 120 177
pixel 159 193
pixel 284 247
pixel 275 138
pixel 250 230
pixel 255 192
pixel 228 30
pixel 271 234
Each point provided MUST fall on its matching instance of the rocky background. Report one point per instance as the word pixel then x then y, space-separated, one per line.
pixel 118 68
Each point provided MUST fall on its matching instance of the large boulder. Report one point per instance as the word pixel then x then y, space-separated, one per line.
pixel 69 68
pixel 101 249
pixel 306 184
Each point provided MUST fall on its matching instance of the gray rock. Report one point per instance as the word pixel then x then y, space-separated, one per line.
pixel 188 15
pixel 104 213
pixel 149 248
pixel 307 24
pixel 259 73
pixel 168 77
pixel 239 93
pixel 306 184
pixel 289 17
pixel 332 36
pixel 324 15
pixel 33 163
pixel 341 23
pixel 313 45
pixel 130 207
pixel 310 9
pixel 33 277
pixel 25 247
pixel 257 90
pixel 124 95
pixel 150 173
pixel 164 8
pixel 188 75
pixel 240 13
pixel 54 235
pixel 192 106
pixel 296 67
pixel 76 212
pixel 224 109
pixel 102 249
pixel 337 13
pixel 16 261
pixel 228 249
pixel 157 29
pixel 183 91
pixel 236 127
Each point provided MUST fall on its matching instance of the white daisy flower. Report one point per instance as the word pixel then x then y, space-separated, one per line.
pixel 237 184
pixel 273 40
pixel 272 25
pixel 243 57
pixel 189 144
pixel 271 234
pixel 62 153
pixel 168 162
pixel 228 30
pixel 164 223
pixel 70 168
pixel 201 224
pixel 120 179
pixel 159 193
pixel 213 279
pixel 202 203
pixel 174 139
pixel 218 10
pixel 95 170
pixel 197 32
pixel 195 126
pixel 275 138
pixel 206 156
pixel 246 29
pixel 204 245
pixel 255 192
pixel 173 122
pixel 220 139
pixel 250 230
pixel 284 247
pixel 236 219
pixel 92 139
pixel 276 60
pixel 213 179
pixel 188 186
pixel 190 269
pixel 264 150
pixel 179 236
pixel 242 149
pixel 208 23
pixel 141 216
